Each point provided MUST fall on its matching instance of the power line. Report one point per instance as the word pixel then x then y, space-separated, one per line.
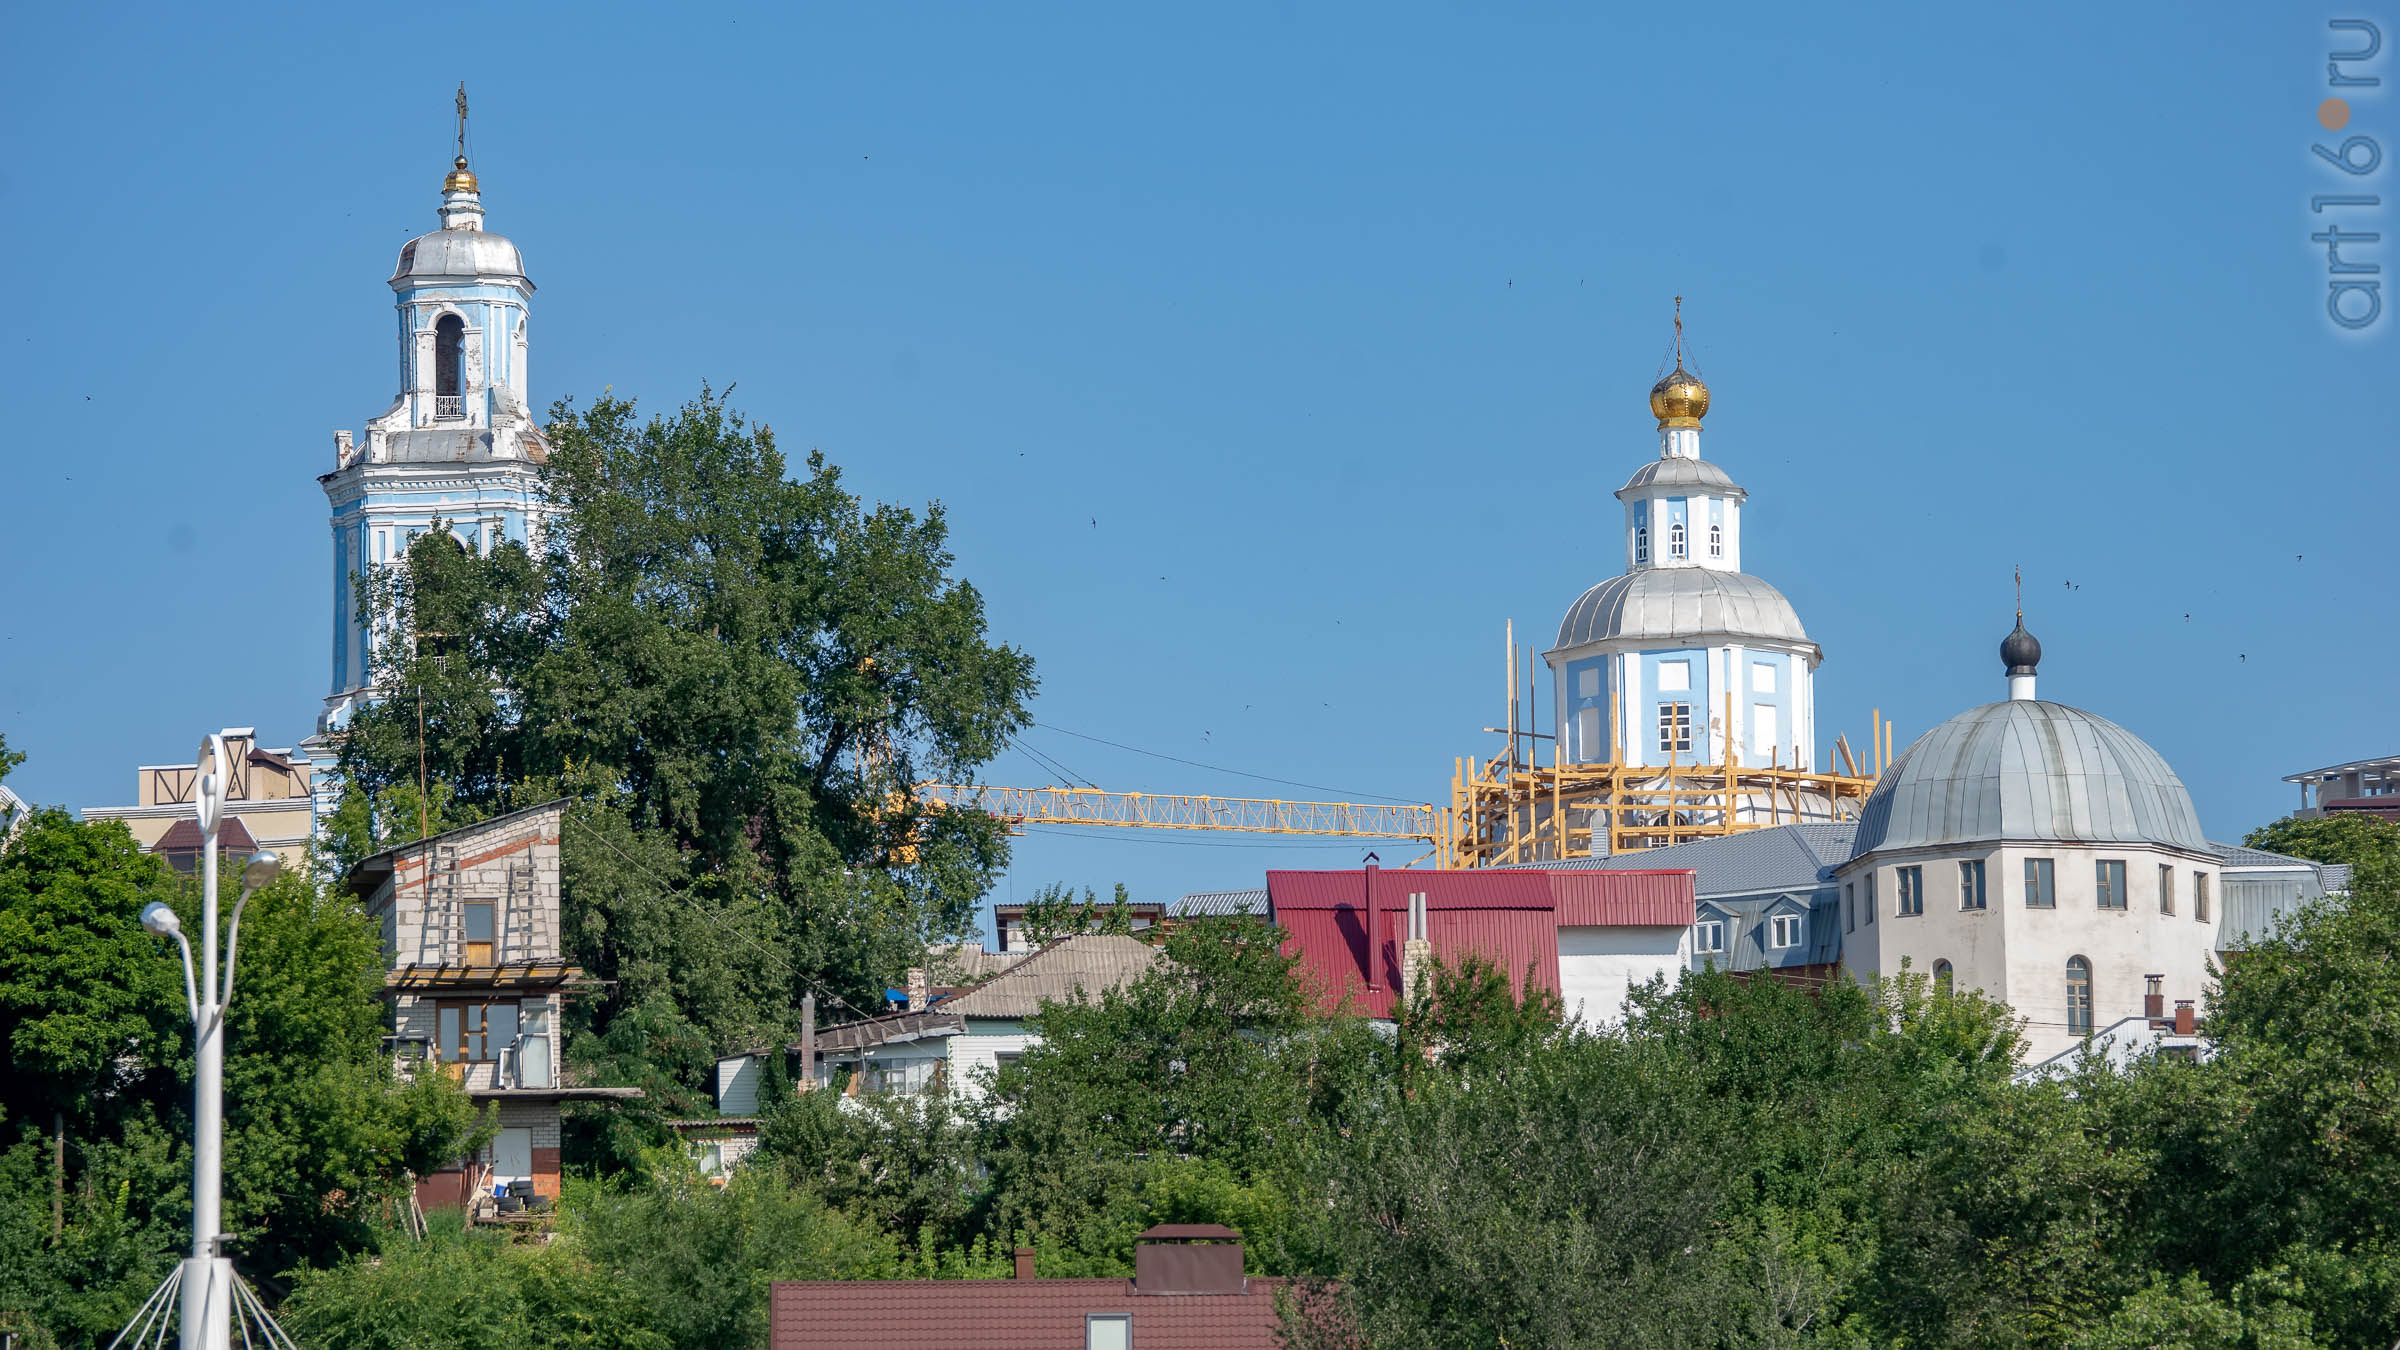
pixel 1052 765
pixel 1219 768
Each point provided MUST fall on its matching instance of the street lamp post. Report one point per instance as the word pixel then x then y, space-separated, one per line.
pixel 212 1296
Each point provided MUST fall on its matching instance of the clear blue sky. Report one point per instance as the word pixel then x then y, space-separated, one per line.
pixel 1337 322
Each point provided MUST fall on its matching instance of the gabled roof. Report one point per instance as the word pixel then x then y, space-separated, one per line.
pixel 1015 1315
pixel 894 1029
pixel 369 872
pixel 1746 931
pixel 1085 964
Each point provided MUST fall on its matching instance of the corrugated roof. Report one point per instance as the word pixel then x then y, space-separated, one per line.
pixel 894 1029
pixel 2022 769
pixel 2241 857
pixel 1086 964
pixel 1014 1315
pixel 1201 904
pixel 1510 916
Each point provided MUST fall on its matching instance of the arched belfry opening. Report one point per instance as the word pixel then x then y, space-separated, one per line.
pixel 449 365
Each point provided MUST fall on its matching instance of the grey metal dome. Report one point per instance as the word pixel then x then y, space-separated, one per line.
pixel 1680 602
pixel 458 253
pixel 1682 473
pixel 2028 770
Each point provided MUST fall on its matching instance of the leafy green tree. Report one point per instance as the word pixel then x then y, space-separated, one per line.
pixel 2371 847
pixel 738 676
pixel 470 1289
pixel 1055 912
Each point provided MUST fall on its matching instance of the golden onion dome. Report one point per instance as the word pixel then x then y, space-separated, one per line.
pixel 461 179
pixel 1679 400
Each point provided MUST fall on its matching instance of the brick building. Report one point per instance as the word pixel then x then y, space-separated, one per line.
pixel 476 977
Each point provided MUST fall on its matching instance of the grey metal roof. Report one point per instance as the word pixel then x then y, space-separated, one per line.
pixel 1213 903
pixel 2381 764
pixel 1682 473
pixel 2238 857
pixel 1779 858
pixel 1680 602
pixel 2025 769
pixel 1746 932
pixel 459 253
pixel 1086 964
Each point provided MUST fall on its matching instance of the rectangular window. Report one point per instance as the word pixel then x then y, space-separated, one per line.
pixel 1674 675
pixel 1868 908
pixel 478 947
pixel 2108 883
pixel 2166 889
pixel 1708 935
pixel 1787 930
pixel 1970 884
pixel 1674 727
pixel 1912 890
pixel 1762 678
pixel 2041 884
pixel 1108 1331
pixel 1850 907
pixel 474 1033
pixel 2200 896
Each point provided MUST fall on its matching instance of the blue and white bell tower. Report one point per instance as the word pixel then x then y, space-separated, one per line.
pixel 458 443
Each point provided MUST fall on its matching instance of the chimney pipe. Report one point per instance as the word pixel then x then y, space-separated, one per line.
pixel 920 991
pixel 2154 1001
pixel 2186 1018
pixel 1024 1263
pixel 1374 931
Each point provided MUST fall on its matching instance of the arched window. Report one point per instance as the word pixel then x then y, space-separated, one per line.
pixel 2079 996
pixel 1641 545
pixel 449 363
pixel 1675 545
pixel 1941 974
pixel 1716 541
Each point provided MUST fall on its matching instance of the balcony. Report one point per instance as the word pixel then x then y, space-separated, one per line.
pixel 449 408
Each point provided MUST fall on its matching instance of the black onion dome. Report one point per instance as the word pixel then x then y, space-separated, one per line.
pixel 2020 651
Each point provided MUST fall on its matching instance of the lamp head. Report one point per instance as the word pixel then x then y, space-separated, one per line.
pixel 261 869
pixel 160 920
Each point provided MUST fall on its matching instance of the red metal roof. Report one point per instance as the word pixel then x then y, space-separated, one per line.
pixel 1509 916
pixel 1013 1315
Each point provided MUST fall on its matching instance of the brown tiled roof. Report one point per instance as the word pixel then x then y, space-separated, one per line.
pixel 182 842
pixel 1089 963
pixel 1014 1315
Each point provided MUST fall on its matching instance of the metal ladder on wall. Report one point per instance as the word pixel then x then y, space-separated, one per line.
pixel 525 929
pixel 445 935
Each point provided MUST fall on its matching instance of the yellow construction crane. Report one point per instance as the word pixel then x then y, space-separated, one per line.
pixel 1143 810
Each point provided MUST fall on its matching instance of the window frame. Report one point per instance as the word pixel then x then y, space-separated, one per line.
pixel 2166 889
pixel 1786 931
pixel 1092 1319
pixel 450 332
pixel 2200 897
pixel 1849 906
pixel 1909 893
pixel 1708 937
pixel 1716 539
pixel 2108 888
pixel 1868 909
pixel 1945 975
pixel 2041 883
pixel 476 1033
pixel 1674 727
pixel 1973 893
pixel 1679 542
pixel 1641 545
pixel 2081 997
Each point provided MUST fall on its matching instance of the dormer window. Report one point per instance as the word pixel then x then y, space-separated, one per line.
pixel 1787 930
pixel 1708 935
pixel 1675 540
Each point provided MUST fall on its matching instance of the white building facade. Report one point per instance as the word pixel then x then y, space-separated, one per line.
pixel 458 444
pixel 2041 854
pixel 1685 658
